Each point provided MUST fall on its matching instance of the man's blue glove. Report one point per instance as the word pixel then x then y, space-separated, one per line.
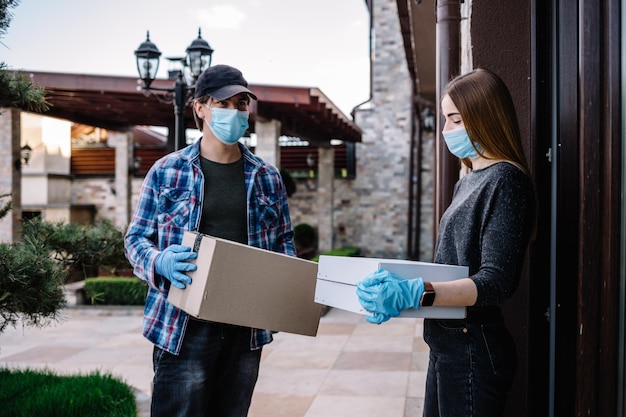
pixel 171 261
pixel 386 295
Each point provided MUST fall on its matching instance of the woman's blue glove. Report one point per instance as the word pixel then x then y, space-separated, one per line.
pixel 171 261
pixel 386 295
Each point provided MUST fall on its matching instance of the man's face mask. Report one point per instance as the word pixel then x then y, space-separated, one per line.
pixel 228 125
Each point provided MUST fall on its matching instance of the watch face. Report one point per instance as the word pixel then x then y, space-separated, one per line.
pixel 428 299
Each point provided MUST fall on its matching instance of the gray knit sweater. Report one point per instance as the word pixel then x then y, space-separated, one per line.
pixel 487 228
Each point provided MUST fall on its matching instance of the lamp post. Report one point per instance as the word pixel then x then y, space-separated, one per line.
pixel 198 57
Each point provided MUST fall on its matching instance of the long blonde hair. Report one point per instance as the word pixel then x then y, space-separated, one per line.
pixel 486 107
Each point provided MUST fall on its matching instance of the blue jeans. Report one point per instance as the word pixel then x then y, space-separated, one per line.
pixel 214 375
pixel 471 367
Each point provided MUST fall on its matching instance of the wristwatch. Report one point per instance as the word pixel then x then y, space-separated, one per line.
pixel 428 297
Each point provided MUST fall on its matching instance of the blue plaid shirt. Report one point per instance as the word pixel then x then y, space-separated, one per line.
pixel 170 202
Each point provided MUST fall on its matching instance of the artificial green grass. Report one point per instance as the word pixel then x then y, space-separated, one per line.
pixel 27 393
pixel 343 251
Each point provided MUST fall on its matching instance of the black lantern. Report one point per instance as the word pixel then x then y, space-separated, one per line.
pixel 147 61
pixel 199 55
pixel 25 154
pixel 198 58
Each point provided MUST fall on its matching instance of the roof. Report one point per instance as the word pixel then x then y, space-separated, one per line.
pixel 418 27
pixel 118 103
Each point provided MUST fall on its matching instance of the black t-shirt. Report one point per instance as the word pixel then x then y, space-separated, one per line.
pixel 224 209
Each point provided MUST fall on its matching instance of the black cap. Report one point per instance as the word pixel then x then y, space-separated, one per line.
pixel 221 82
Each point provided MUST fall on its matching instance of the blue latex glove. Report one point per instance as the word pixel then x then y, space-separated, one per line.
pixel 386 295
pixel 171 262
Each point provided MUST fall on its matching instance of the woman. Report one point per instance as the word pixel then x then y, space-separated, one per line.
pixel 487 227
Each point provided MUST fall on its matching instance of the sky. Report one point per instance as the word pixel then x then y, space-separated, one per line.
pixel 303 43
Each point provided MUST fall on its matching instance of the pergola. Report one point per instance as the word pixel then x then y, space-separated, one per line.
pixel 117 103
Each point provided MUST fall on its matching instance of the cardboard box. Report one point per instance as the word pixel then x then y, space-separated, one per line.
pixel 337 277
pixel 247 286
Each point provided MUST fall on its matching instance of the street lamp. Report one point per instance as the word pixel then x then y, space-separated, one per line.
pixel 25 152
pixel 198 58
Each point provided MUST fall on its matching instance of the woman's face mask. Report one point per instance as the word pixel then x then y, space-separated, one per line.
pixel 459 144
pixel 228 125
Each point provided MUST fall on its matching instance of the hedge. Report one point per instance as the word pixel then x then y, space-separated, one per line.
pixel 115 291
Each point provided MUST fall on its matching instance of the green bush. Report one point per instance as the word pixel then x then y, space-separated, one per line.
pixel 343 251
pixel 115 291
pixel 82 250
pixel 304 235
pixel 26 393
pixel 305 240
pixel 105 245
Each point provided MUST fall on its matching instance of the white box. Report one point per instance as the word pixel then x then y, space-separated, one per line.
pixel 247 286
pixel 337 277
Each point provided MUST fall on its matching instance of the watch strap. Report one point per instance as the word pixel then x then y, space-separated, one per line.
pixel 428 297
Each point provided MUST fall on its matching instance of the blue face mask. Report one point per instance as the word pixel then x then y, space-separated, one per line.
pixel 459 144
pixel 228 125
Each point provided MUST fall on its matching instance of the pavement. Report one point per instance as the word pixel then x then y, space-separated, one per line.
pixel 351 368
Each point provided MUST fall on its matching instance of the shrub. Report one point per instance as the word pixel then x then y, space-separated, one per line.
pixel 290 184
pixel 305 240
pixel 80 249
pixel 115 291
pixel 105 247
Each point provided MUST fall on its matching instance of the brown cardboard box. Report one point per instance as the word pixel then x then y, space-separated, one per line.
pixel 248 286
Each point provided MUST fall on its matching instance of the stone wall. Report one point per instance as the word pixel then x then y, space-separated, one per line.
pixel 100 192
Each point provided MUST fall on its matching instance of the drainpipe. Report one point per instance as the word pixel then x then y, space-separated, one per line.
pixel 448 66
pixel 415 195
pixel 418 127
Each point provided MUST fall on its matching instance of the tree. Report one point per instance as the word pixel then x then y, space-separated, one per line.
pixel 81 250
pixel 31 283
pixel 16 88
pixel 31 287
pixel 5 207
pixel 6 15
pixel 32 272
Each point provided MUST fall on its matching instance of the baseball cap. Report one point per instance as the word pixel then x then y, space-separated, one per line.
pixel 221 82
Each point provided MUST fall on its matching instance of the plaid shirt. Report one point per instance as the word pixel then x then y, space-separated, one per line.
pixel 170 202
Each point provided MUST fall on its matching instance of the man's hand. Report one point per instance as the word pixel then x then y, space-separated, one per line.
pixel 171 262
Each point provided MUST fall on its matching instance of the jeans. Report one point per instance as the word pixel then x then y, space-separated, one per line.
pixel 471 367
pixel 214 375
